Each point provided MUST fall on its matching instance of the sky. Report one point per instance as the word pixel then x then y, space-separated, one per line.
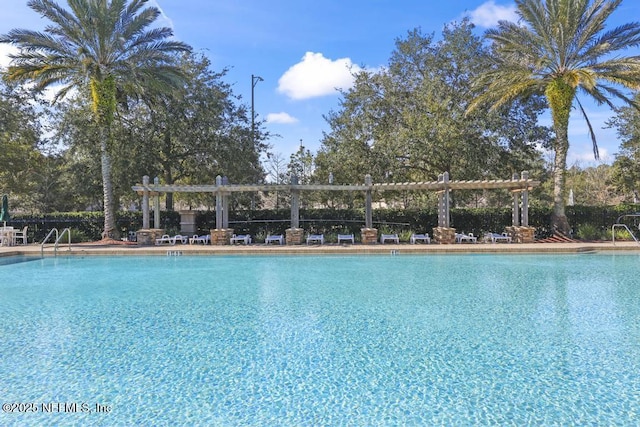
pixel 294 54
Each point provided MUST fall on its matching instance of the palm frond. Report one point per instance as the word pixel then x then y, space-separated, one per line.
pixel 594 142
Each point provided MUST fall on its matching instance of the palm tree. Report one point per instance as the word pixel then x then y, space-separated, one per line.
pixel 104 48
pixel 558 48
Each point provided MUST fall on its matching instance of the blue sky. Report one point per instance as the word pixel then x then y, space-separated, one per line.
pixel 304 49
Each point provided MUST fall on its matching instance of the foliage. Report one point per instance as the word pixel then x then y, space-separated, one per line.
pixel 559 48
pixel 102 48
pixel 626 167
pixel 21 159
pixel 407 122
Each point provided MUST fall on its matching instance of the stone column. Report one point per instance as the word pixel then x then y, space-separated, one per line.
pixel 444 235
pixel 294 236
pixel 148 236
pixel 221 236
pixel 521 234
pixel 369 236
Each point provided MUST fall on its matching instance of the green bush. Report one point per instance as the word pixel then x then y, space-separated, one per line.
pixel 591 222
pixel 589 232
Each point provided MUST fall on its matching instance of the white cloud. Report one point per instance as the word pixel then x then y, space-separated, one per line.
pixel 316 76
pixel 5 51
pixel 163 20
pixel 282 118
pixel 489 13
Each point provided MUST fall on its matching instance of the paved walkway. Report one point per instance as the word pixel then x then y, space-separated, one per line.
pixel 262 249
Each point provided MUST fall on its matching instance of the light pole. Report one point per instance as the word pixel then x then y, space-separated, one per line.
pixel 254 82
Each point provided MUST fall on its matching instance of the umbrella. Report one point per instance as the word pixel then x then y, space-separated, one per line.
pixel 4 213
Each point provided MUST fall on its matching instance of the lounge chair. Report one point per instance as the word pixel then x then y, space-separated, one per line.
pixel 240 238
pixel 469 238
pixel 166 239
pixel 419 237
pixel 346 238
pixel 276 238
pixel 389 237
pixel 495 237
pixel 315 238
pixel 204 239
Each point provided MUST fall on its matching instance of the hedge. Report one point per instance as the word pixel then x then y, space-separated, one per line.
pixel 89 225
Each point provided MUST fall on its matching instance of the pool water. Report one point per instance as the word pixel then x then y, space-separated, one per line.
pixel 327 340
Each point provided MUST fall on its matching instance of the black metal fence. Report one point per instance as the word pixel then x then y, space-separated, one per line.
pixel 89 225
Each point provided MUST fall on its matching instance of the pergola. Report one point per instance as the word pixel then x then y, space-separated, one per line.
pixel 518 185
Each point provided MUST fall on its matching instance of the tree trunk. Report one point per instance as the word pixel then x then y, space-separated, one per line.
pixel 560 96
pixel 110 230
pixel 558 217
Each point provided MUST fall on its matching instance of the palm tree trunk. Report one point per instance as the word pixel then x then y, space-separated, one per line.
pixel 107 192
pixel 558 217
pixel 560 96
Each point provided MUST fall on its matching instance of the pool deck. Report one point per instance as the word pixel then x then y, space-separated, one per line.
pixel 326 249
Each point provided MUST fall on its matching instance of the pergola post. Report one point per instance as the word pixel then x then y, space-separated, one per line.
pixel 444 201
pixel 218 203
pixel 146 235
pixel 145 203
pixel 225 204
pixel 221 235
pixel 525 200
pixel 443 233
pixel 156 205
pixel 520 231
pixel 295 204
pixel 294 235
pixel 368 234
pixel 368 211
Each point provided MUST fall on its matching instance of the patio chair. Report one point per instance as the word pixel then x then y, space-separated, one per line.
pixel 419 237
pixel 204 239
pixel 166 239
pixel 20 235
pixel 240 238
pixel 315 238
pixel 346 238
pixel 469 238
pixel 276 238
pixel 389 237
pixel 495 237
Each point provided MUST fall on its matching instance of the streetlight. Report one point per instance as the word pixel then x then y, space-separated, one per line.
pixel 254 82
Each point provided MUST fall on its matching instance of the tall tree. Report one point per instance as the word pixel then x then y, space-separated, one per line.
pixel 560 48
pixel 19 141
pixel 626 167
pixel 407 122
pixel 105 48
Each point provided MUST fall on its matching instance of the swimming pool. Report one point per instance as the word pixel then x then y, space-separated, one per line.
pixel 331 340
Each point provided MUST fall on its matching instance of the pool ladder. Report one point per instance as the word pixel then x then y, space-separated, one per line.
pixel 59 237
pixel 620 224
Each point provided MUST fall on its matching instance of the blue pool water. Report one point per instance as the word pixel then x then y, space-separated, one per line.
pixel 310 341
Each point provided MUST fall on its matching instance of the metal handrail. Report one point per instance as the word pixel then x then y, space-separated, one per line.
pixel 59 237
pixel 68 231
pixel 620 224
pixel 47 238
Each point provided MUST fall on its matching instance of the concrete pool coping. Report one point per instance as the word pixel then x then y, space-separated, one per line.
pixel 326 249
